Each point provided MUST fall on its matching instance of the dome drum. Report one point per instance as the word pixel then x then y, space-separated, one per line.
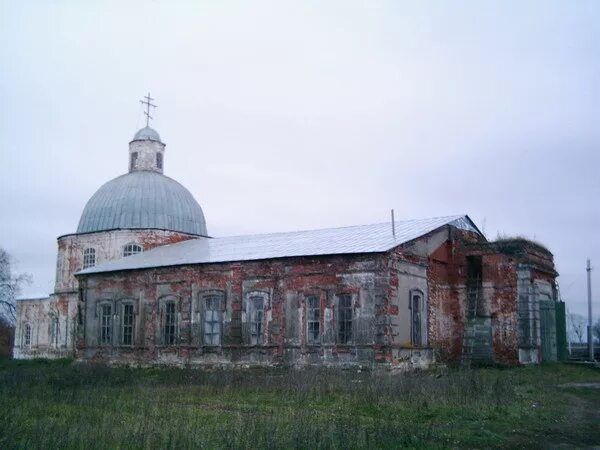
pixel 144 198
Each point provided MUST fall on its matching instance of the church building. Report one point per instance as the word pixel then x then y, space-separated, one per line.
pixel 142 282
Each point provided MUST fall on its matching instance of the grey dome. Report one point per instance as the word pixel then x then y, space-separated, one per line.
pixel 143 199
pixel 147 133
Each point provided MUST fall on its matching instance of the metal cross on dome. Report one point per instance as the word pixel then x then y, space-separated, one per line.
pixel 148 104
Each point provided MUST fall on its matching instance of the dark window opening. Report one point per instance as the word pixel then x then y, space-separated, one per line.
pixel 416 304
pixel 159 160
pixel 313 316
pixel 256 320
pixel 344 319
pixel 127 333
pixel 169 323
pixel 133 162
pixel 475 305
pixel 106 325
pixel 132 249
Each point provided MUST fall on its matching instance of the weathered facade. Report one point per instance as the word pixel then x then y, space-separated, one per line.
pixel 399 295
pixel 448 296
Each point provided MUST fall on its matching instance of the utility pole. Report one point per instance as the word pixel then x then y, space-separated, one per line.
pixel 589 328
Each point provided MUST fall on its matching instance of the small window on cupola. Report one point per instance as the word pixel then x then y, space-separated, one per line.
pixel 134 157
pixel 159 160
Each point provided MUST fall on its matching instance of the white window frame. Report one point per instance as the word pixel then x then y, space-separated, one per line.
pixel 256 316
pixel 313 319
pixel 27 335
pixel 89 257
pixel 212 325
pixel 132 249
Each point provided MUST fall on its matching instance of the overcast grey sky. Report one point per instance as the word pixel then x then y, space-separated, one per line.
pixel 295 115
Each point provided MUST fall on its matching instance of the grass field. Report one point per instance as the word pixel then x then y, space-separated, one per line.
pixel 64 405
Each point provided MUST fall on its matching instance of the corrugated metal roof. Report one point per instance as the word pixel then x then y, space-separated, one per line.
pixel 143 199
pixel 329 241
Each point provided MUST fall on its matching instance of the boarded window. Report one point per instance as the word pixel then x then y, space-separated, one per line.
pixel 89 258
pixel 27 336
pixel 344 319
pixel 169 323
pixel 127 325
pixel 313 316
pixel 132 249
pixel 105 324
pixel 54 331
pixel 416 302
pixel 256 319
pixel 212 319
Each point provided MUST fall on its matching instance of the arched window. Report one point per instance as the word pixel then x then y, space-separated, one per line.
pixel 159 160
pixel 416 308
pixel 134 157
pixel 168 321
pixel 344 319
pixel 132 249
pixel 89 258
pixel 256 303
pixel 213 317
pixel 313 319
pixel 127 322
pixel 106 324
pixel 27 335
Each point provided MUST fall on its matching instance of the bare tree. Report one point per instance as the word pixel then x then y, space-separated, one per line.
pixel 10 287
pixel 596 331
pixel 577 326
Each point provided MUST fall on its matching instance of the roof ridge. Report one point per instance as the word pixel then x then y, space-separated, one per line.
pixel 337 228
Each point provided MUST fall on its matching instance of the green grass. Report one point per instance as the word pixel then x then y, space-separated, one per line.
pixel 64 405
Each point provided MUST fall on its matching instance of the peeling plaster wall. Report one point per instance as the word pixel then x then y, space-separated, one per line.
pixel 108 245
pixel 146 151
pixel 52 322
pixel 377 323
pixel 513 282
pixel 39 313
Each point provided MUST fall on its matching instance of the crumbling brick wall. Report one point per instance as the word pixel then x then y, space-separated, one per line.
pixel 287 283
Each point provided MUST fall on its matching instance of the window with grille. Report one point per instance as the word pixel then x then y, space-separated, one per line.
pixel 212 319
pixel 27 336
pixel 415 306
pixel 127 324
pixel 169 328
pixel 313 316
pixel 105 324
pixel 89 258
pixel 256 319
pixel 159 160
pixel 132 249
pixel 344 319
